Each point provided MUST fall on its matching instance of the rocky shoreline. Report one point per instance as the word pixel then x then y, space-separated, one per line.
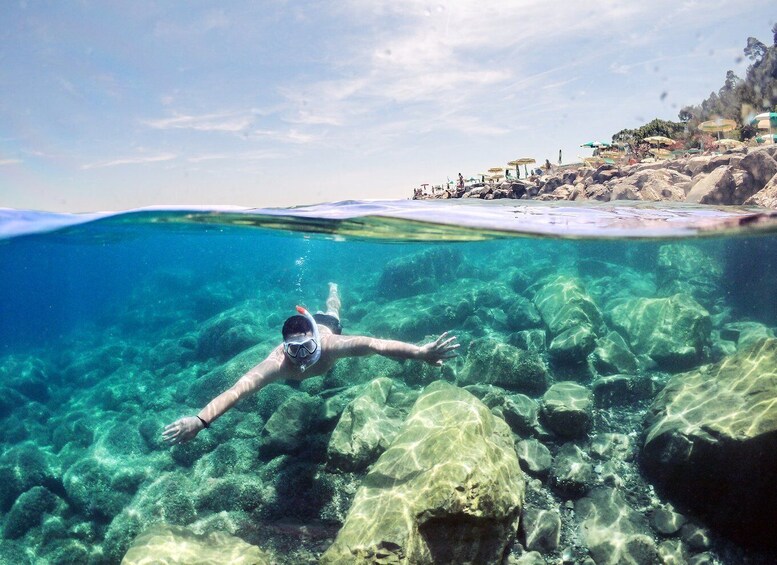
pixel 746 176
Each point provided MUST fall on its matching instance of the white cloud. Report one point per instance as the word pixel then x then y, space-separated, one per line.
pixel 10 161
pixel 225 122
pixel 131 161
pixel 238 156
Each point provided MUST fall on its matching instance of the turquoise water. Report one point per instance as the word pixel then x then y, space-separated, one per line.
pixel 114 325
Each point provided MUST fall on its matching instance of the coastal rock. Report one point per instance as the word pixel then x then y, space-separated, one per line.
pixel 534 457
pixel 490 361
pixel 614 532
pixel 23 467
pixel 605 173
pixel 365 429
pixel 572 473
pixel 745 186
pixel 573 345
pixel 449 489
pixel 28 511
pixel 288 429
pixel 672 331
pixel 528 340
pixel 620 390
pixel 716 187
pixel 567 409
pixel 711 442
pixel 760 164
pixel 540 529
pixel 612 355
pixel 684 268
pixel 520 413
pixel 419 273
pixel 522 315
pixel 563 304
pixel 652 185
pixel 766 197
pixel 229 333
pixel 610 445
pixel 164 543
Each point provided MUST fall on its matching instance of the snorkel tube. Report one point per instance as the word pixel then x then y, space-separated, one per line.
pixel 317 353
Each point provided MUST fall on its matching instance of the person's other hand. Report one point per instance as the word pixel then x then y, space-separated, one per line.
pixel 182 430
pixel 439 349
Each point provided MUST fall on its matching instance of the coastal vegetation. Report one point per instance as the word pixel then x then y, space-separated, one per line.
pixel 738 99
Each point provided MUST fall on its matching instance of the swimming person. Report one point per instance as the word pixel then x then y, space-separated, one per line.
pixel 311 346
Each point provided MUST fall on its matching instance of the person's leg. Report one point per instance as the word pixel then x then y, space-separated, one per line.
pixel 333 302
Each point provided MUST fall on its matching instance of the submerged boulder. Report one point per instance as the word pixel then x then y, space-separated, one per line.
pixel 490 361
pixel 672 331
pixel 684 268
pixel 448 490
pixel 175 544
pixel 711 442
pixel 366 428
pixel 564 304
pixel 567 409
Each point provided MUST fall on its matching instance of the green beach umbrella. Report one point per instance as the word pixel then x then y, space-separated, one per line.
pixel 767 138
pixel 767 120
pixel 596 144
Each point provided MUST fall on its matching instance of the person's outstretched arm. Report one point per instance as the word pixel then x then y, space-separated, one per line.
pixel 434 352
pixel 187 428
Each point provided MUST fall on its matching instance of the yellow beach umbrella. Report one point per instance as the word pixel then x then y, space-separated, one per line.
pixel 730 143
pixel 522 161
pixel 661 153
pixel 494 170
pixel 717 125
pixel 659 140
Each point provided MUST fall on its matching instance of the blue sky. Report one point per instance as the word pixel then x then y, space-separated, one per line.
pixel 116 105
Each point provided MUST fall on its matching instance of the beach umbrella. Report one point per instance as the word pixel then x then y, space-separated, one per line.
pixel 767 138
pixel 658 140
pixel 730 143
pixel 522 161
pixel 495 170
pixel 596 144
pixel 661 153
pixel 717 125
pixel 767 120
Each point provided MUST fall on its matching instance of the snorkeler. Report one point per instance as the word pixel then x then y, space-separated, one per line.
pixel 311 346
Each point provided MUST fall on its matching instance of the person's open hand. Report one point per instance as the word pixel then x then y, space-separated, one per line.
pixel 439 349
pixel 182 430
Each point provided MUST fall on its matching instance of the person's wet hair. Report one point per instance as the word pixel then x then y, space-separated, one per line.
pixel 296 325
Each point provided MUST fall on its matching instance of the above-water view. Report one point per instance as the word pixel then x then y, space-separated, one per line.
pixel 613 398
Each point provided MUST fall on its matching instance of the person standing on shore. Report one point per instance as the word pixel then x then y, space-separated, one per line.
pixel 559 157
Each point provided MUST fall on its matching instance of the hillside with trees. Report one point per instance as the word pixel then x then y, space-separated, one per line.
pixel 738 99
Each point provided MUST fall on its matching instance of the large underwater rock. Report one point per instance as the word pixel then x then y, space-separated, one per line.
pixel 366 428
pixel 420 273
pixel 448 490
pixel 231 332
pixel 490 361
pixel 711 442
pixel 176 545
pixel 567 409
pixel 572 317
pixel 684 268
pixel 672 331
pixel 291 425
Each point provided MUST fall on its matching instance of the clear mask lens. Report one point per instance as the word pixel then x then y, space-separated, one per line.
pixel 301 349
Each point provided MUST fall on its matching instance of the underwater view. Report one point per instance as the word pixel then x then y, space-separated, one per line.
pixel 612 399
